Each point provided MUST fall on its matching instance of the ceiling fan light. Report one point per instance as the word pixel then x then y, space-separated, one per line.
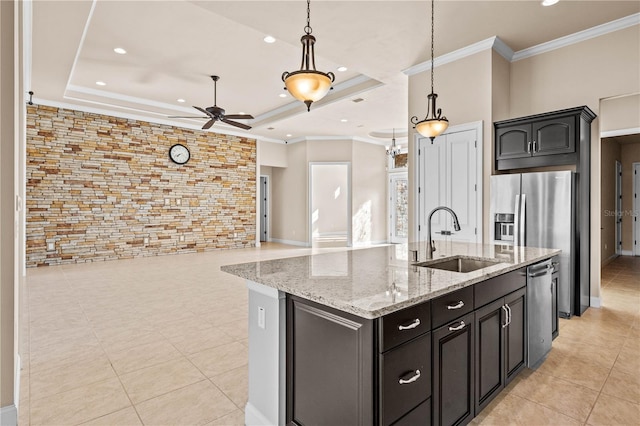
pixel 431 128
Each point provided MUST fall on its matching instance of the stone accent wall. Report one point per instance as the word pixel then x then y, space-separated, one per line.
pixel 101 188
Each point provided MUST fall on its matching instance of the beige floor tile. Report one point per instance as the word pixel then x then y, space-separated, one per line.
pixel 614 411
pixel 125 417
pixel 67 376
pixel 597 334
pixel 237 330
pixel 514 410
pixel 629 358
pixel 80 404
pixel 64 353
pixel 218 360
pixel 235 385
pixel 602 355
pixel 163 378
pixel 573 369
pixel 236 418
pixel 557 394
pixel 623 385
pixel 142 356
pixel 198 339
pixel 196 404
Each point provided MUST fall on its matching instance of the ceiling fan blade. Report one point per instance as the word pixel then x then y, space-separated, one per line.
pixel 235 123
pixel 208 124
pixel 204 111
pixel 190 116
pixel 239 116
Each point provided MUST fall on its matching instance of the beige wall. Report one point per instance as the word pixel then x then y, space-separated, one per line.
pixel 290 189
pixel 630 154
pixel 8 138
pixel 620 113
pixel 610 154
pixel 272 154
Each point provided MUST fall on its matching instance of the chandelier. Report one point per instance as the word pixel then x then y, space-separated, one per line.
pixel 394 149
pixel 307 84
pixel 434 123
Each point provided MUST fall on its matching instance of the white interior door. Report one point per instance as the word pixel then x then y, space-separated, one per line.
pixel 398 208
pixel 618 195
pixel 450 174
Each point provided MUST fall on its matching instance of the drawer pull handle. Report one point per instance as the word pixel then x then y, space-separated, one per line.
pixel 458 305
pixel 506 316
pixel 410 380
pixel 414 324
pixel 460 327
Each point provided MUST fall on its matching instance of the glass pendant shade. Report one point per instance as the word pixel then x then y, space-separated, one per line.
pixel 308 85
pixel 432 128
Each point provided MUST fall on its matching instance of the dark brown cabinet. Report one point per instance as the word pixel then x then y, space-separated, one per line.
pixel 453 372
pixel 549 139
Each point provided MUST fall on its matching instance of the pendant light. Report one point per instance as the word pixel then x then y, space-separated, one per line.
pixel 434 124
pixel 394 149
pixel 307 84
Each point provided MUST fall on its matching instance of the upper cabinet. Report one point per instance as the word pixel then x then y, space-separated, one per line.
pixel 548 139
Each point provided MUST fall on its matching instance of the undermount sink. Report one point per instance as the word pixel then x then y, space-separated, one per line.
pixel 460 264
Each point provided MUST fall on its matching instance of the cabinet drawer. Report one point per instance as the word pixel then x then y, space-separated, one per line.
pixel 405 378
pixel 421 415
pixel 500 286
pixel 450 306
pixel 404 325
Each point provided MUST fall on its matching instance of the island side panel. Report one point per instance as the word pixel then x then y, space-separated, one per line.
pixel 267 345
pixel 330 358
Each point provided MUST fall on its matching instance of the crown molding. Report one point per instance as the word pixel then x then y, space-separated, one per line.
pixel 506 52
pixel 580 36
pixel 333 138
pixel 620 132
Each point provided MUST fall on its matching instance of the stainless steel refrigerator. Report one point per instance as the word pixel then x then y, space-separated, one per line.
pixel 539 210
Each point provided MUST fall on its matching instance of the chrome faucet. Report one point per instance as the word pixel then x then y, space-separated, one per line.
pixel 431 247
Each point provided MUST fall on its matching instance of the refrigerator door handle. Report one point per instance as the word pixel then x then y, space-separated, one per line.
pixel 516 222
pixel 522 219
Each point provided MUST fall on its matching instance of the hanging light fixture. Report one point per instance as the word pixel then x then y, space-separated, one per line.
pixel 307 84
pixel 394 149
pixel 434 124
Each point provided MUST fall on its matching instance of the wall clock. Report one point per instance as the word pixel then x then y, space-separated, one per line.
pixel 179 154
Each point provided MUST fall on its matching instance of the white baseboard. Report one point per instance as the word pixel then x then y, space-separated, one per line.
pixel 626 252
pixel 252 416
pixel 291 242
pixel 595 302
pixel 370 243
pixel 16 388
pixel 9 415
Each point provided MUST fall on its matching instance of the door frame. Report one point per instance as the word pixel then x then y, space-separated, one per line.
pixel 636 209
pixel 475 125
pixel 310 199
pixel 391 192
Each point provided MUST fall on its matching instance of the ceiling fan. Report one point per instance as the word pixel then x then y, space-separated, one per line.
pixel 215 113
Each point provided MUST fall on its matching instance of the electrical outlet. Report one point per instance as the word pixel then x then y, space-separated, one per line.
pixel 145 240
pixel 261 318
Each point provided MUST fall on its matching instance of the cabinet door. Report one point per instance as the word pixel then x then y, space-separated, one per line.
pixel 554 136
pixel 513 142
pixel 515 334
pixel 489 345
pixel 453 377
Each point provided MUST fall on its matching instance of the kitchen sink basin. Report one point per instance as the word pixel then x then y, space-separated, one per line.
pixel 460 264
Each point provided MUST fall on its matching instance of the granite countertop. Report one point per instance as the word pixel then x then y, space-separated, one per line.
pixel 376 281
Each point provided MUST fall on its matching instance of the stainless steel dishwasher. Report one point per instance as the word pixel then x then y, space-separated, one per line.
pixel 539 300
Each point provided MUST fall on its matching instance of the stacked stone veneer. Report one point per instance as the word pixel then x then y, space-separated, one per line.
pixel 100 188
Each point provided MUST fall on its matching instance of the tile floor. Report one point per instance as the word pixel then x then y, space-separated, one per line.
pixel 163 341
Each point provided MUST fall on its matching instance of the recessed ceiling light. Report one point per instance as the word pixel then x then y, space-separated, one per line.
pixel 181 100
pixel 283 95
pixel 269 39
pixel 549 2
pixel 289 135
pixel 344 120
pixel 120 51
pixel 101 83
pixel 342 69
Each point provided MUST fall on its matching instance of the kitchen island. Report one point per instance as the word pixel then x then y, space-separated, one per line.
pixel 368 337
